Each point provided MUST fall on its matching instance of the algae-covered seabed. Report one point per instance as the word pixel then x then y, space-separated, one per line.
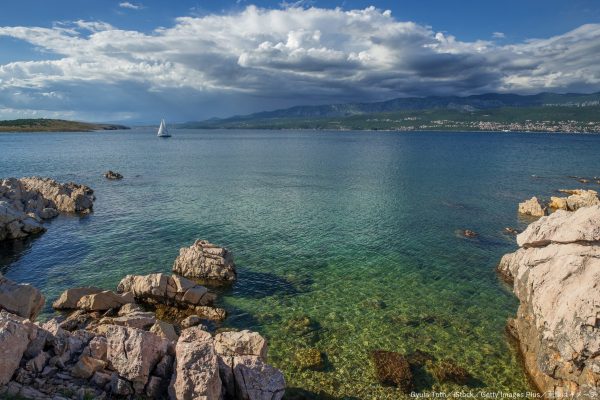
pixel 345 241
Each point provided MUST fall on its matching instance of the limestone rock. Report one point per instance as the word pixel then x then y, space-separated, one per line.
pixel 532 207
pixel 241 343
pixel 204 260
pixel 256 380
pixel 86 367
pixel 192 320
pixel 556 273
pixel 165 330
pixel 196 373
pixel 164 289
pixel 21 299
pixel 14 339
pixel 104 300
pixel 133 353
pixel 25 202
pixel 70 297
pixel 582 225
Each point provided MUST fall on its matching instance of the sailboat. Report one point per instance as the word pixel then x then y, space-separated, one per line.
pixel 162 129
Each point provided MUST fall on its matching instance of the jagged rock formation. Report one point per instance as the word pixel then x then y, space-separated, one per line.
pixel 577 199
pixel 532 207
pixel 205 261
pixel 127 352
pixel 26 202
pixel 556 275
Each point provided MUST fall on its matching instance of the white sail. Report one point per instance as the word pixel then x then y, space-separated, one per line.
pixel 162 129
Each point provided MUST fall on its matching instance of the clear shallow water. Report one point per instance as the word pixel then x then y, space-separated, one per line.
pixel 354 230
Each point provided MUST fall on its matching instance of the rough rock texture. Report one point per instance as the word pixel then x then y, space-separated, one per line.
pixel 532 207
pixel 255 380
pixel 196 373
pixel 206 261
pixel 166 289
pixel 21 299
pixel 556 273
pixel 134 353
pixel 104 300
pixel 14 339
pixel 70 297
pixel 25 202
pixel 241 343
pixel 578 198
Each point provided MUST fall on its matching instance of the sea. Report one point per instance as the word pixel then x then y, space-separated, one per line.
pixel 345 242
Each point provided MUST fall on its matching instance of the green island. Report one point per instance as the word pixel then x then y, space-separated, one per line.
pixel 54 125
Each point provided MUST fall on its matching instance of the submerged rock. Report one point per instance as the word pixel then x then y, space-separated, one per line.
pixel 206 261
pixel 309 358
pixel 448 371
pixel 112 175
pixel 469 233
pixel 532 207
pixel 393 369
pixel 556 273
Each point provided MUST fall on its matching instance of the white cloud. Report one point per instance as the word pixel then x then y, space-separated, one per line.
pixel 131 6
pixel 498 35
pixel 264 58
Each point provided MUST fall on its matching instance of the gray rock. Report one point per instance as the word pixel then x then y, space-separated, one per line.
pixel 204 260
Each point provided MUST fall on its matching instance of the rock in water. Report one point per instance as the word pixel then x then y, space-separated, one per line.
pixel 22 299
pixel 70 297
pixel 393 369
pixel 255 380
pixel 532 207
pixel 112 175
pixel 196 373
pixel 556 273
pixel 165 289
pixel 448 371
pixel 205 261
pixel 25 202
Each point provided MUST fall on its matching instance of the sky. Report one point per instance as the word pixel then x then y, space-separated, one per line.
pixel 139 61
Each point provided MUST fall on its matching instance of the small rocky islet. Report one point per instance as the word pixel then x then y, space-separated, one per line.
pixel 152 336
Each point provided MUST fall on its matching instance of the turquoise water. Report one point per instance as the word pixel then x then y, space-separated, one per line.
pixel 353 232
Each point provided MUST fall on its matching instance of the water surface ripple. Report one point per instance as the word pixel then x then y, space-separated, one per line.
pixel 354 232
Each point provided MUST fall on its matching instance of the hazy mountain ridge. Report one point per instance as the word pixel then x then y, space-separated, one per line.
pixel 466 104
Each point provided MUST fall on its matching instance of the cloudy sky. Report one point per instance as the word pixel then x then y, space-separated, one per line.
pixel 138 61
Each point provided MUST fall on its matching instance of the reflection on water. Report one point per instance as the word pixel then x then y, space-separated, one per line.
pixel 345 242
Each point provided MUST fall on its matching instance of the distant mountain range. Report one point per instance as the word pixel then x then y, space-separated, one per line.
pixel 468 104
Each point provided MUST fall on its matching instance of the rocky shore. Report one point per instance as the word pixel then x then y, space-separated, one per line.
pixel 25 203
pixel 153 338
pixel 576 199
pixel 556 276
